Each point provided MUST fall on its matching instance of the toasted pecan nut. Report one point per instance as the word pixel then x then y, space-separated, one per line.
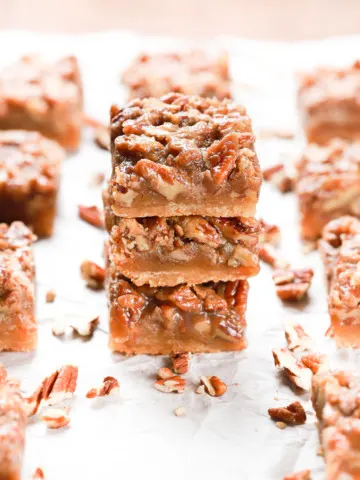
pixel 109 386
pixel 292 285
pixel 180 412
pixel 56 417
pixel 295 370
pixel 297 339
pixel 93 274
pixel 277 176
pixel 293 414
pixel 170 385
pixel 303 475
pixel 214 386
pixel 92 215
pixel 180 362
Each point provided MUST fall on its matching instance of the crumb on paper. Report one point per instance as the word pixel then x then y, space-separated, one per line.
pixel 270 255
pixel 84 326
pixel 50 296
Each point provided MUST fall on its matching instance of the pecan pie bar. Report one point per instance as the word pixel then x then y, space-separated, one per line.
pixel 12 428
pixel 329 103
pixel 201 318
pixel 328 185
pixel 18 330
pixel 44 97
pixel 29 179
pixel 190 73
pixel 340 249
pixel 182 155
pixel 335 397
pixel 193 249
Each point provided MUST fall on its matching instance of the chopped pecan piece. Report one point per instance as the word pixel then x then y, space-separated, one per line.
pixel 38 474
pixel 50 296
pixel 83 326
pixel 172 384
pixel 91 215
pixel 93 274
pixel 180 362
pixel 316 362
pixel 102 137
pixel 268 254
pixel 109 386
pixel 165 373
pixel 56 417
pixel 278 176
pixel 293 414
pixel 269 233
pixel 292 285
pixel 303 475
pixel 297 373
pixel 297 339
pixel 214 386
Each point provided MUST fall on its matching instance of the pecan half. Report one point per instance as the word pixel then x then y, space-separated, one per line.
pixel 269 255
pixel 292 285
pixel 269 233
pixel 293 414
pixel 214 386
pixel 50 296
pixel 109 386
pixel 172 384
pixel 297 339
pixel 93 274
pixel 56 417
pixel 296 372
pixel 303 475
pixel 180 362
pixel 91 215
pixel 278 177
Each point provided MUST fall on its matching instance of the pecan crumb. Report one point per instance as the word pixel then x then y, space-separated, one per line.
pixel 102 137
pixel 278 177
pixel 38 474
pixel 172 384
pixel 50 296
pixel 56 417
pixel 293 414
pixel 292 285
pixel 268 254
pixel 297 339
pixel 83 326
pixel 109 387
pixel 214 386
pixel 180 411
pixel 295 370
pixel 91 215
pixel 180 362
pixel 93 274
pixel 303 475
pixel 269 233
pixel 164 373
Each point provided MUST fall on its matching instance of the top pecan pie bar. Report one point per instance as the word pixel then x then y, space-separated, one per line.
pixel 182 155
pixel 191 73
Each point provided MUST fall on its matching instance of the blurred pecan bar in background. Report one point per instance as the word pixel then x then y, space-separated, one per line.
pixel 29 179
pixel 329 103
pixel 340 250
pixel 182 155
pixel 12 428
pixel 198 318
pixel 193 249
pixel 18 331
pixel 328 185
pixel 335 397
pixel 190 73
pixel 44 97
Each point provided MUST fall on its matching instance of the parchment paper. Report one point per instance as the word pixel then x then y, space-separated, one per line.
pixel 136 435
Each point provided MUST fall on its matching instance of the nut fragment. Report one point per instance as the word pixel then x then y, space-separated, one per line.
pixel 56 417
pixel 172 384
pixel 180 411
pixel 303 475
pixel 214 386
pixel 93 274
pixel 293 414
pixel 109 386
pixel 316 362
pixel 38 474
pixel 50 296
pixel 297 339
pixel 91 215
pixel 102 137
pixel 269 233
pixel 180 362
pixel 292 285
pixel 164 373
pixel 83 326
pixel 268 254
pixel 278 177
pixel 297 373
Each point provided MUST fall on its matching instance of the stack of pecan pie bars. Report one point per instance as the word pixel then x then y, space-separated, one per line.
pixel 180 208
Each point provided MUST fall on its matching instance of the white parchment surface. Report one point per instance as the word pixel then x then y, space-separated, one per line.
pixel 136 435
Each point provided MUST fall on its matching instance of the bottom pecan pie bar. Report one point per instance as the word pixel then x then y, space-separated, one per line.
pixel 18 330
pixel 201 318
pixel 340 249
pixel 336 400
pixel 174 250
